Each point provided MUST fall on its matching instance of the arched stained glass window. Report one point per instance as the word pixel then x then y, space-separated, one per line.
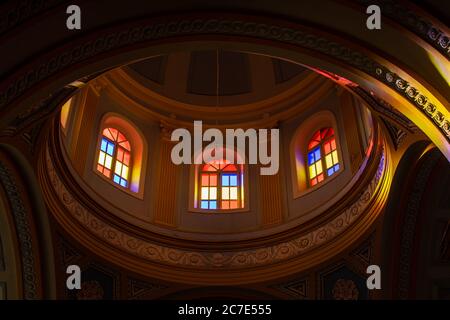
pixel 323 158
pixel 114 157
pixel 221 186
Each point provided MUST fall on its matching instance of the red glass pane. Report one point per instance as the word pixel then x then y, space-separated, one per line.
pixel 312 144
pixel 114 133
pixel 233 204
pixel 205 180
pixel 208 167
pixel 230 167
pixel 316 136
pixel 313 182
pixel 213 180
pixel 121 138
pixel 108 134
pixel 120 154
pixel 126 145
pixel 320 177
pixel 225 205
pixel 126 158
pixel 327 148
pixel 333 144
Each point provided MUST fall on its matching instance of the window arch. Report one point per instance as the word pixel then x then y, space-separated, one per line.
pixel 120 154
pixel 220 186
pixel 322 159
pixel 114 160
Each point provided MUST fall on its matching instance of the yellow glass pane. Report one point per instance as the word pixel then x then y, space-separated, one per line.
pixel 108 161
pixel 328 161
pixel 213 193
pixel 101 158
pixel 205 193
pixel 225 193
pixel 124 172
pixel 319 167
pixel 233 193
pixel 118 168
pixel 335 157
pixel 312 171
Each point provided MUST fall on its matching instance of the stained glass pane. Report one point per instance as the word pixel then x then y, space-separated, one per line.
pixel 108 161
pixel 311 159
pixel 312 171
pixel 114 133
pixel 213 179
pixel 335 157
pixel 327 148
pixel 126 158
pixel 317 154
pixel 104 144
pixel 205 193
pixel 110 148
pixel 225 180
pixel 225 193
pixel 213 205
pixel 116 179
pixel 204 205
pixel 319 167
pixel 205 180
pixel 225 205
pixel 108 134
pixel 233 193
pixel 328 161
pixel 233 180
pixel 233 204
pixel 212 193
pixel 230 167
pixel 125 145
pixel 101 158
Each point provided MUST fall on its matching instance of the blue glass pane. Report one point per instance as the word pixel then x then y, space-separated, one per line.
pixel 336 167
pixel 233 180
pixel 330 171
pixel 311 157
pixel 213 205
pixel 123 183
pixel 110 150
pixel 225 180
pixel 204 205
pixel 104 144
pixel 116 179
pixel 317 153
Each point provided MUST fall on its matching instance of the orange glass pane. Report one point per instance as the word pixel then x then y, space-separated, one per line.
pixel 333 144
pixel 213 179
pixel 320 177
pixel 205 180
pixel 121 138
pixel 316 136
pixel 233 204
pixel 327 148
pixel 126 158
pixel 230 167
pixel 114 133
pixel 107 172
pixel 126 145
pixel 312 144
pixel 313 182
pixel 100 168
pixel 208 167
pixel 108 134
pixel 225 205
pixel 120 154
